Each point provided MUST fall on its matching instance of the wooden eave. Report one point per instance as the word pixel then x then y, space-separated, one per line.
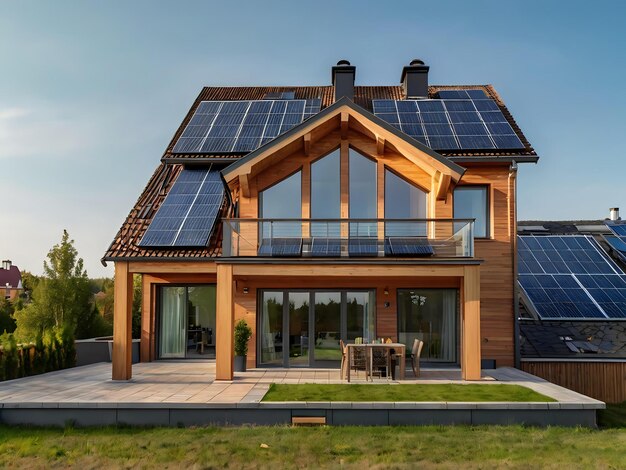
pixel 345 115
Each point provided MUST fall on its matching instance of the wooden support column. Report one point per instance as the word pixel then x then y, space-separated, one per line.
pixel 122 322
pixel 470 344
pixel 225 317
pixel 147 320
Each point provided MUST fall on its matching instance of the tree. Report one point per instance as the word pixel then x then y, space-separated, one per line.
pixel 7 323
pixel 61 298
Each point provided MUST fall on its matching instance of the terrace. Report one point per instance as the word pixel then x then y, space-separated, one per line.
pixel 175 392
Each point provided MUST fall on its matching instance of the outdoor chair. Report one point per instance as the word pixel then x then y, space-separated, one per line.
pixel 416 351
pixel 344 359
pixel 381 361
pixel 358 360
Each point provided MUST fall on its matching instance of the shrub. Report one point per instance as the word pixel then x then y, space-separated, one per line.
pixel 242 334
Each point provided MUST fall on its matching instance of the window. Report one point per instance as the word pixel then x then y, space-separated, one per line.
pixel 363 204
pixel 430 315
pixel 326 194
pixel 282 201
pixel 472 202
pixel 403 200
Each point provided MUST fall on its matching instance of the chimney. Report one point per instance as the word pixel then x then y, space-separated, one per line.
pixel 343 79
pixel 6 264
pixel 614 213
pixel 414 79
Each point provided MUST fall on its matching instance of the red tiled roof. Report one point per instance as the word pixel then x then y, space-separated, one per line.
pixel 11 276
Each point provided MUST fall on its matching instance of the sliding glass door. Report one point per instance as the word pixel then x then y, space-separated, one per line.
pixel 186 322
pixel 173 324
pixel 308 325
pixel 432 316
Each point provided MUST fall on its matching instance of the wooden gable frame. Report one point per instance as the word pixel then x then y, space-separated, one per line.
pixel 344 116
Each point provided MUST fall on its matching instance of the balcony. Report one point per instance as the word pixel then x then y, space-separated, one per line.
pixel 348 238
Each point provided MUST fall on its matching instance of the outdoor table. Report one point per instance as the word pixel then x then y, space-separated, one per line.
pixel 399 349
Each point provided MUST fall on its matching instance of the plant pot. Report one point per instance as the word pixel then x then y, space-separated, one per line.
pixel 240 363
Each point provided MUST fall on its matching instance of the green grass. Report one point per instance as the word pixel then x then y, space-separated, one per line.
pixel 320 447
pixel 613 417
pixel 403 392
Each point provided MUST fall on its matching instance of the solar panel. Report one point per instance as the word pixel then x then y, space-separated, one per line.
pixel 189 212
pixel 408 246
pixel 280 247
pixel 361 246
pixel 570 277
pixel 618 245
pixel 325 246
pixel 460 120
pixel 618 229
pixel 241 126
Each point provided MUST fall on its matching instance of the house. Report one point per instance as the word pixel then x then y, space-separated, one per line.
pixel 572 312
pixel 10 280
pixel 327 213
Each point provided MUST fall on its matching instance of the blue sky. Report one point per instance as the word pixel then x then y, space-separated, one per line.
pixel 92 92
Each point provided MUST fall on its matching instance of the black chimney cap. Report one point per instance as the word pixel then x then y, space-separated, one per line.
pixel 416 65
pixel 343 62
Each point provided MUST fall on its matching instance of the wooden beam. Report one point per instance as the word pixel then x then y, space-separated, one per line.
pixel 122 323
pixel 164 267
pixel 344 124
pixel 147 325
pixel 224 341
pixel 244 184
pixel 442 187
pixel 307 143
pixel 346 271
pixel 380 145
pixel 470 328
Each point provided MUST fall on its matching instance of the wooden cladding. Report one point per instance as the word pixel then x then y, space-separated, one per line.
pixel 605 381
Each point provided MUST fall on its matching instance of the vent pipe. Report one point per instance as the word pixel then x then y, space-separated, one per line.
pixel 343 75
pixel 614 213
pixel 414 79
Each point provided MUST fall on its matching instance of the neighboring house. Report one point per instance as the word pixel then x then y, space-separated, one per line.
pixel 324 213
pixel 572 318
pixel 10 280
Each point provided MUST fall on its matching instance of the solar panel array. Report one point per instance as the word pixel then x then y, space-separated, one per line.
pixel 241 126
pixel 188 215
pixel 460 120
pixel 569 277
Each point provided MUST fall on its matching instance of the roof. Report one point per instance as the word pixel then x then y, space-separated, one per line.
pixel 549 338
pixel 125 245
pixel 591 339
pixel 363 96
pixel 333 110
pixel 11 276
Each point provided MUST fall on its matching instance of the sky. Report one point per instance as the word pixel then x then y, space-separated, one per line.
pixel 92 92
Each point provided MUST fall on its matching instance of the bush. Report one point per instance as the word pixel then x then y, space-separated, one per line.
pixel 242 334
pixel 56 350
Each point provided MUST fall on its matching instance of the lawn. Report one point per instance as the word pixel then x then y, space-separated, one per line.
pixel 320 447
pixel 402 392
pixel 614 416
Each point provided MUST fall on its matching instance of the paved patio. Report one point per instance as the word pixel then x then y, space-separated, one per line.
pixel 193 382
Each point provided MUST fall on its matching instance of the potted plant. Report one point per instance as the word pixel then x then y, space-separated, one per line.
pixel 242 335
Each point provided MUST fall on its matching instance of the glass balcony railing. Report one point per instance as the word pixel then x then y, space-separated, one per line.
pixel 338 238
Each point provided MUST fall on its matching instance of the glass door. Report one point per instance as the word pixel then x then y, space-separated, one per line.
pixel 270 336
pixel 299 329
pixel 172 341
pixel 327 320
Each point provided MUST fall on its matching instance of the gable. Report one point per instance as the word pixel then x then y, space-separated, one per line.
pixel 344 119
